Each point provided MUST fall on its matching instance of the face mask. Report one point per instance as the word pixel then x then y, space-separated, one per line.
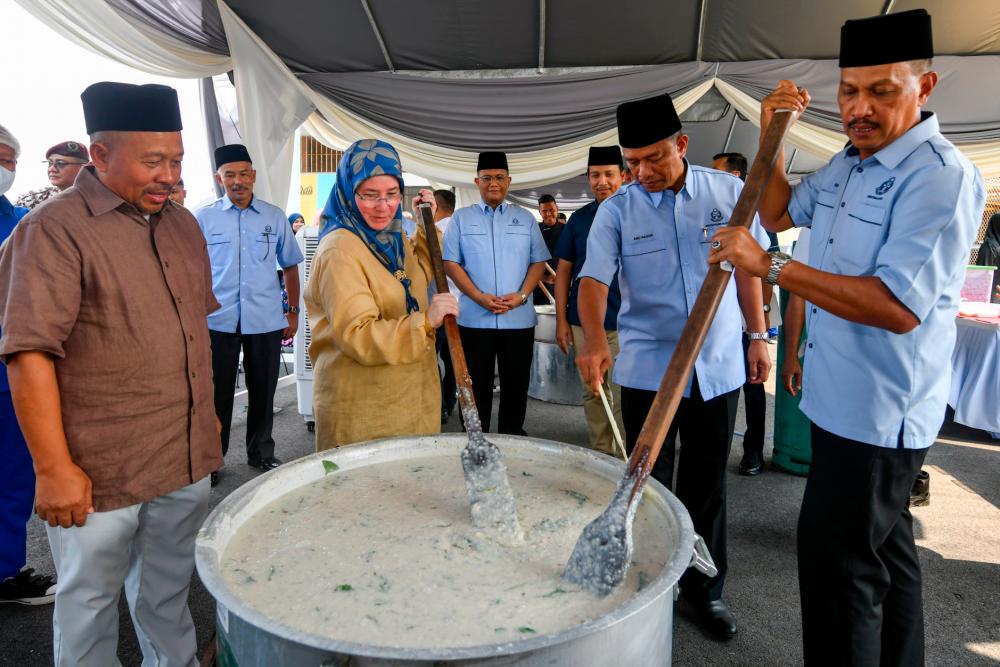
pixel 6 180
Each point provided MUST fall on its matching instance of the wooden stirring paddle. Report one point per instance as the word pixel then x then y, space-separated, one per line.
pixel 491 499
pixel 604 550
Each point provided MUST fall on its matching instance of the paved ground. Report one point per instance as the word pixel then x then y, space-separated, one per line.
pixel 958 537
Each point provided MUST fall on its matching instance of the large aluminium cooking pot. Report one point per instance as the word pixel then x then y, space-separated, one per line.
pixel 637 632
pixel 545 326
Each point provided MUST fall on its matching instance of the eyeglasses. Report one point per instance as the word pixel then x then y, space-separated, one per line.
pixel 493 179
pixel 374 198
pixel 60 164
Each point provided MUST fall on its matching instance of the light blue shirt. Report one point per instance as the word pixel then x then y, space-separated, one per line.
pixel 908 215
pixel 660 241
pixel 495 247
pixel 243 246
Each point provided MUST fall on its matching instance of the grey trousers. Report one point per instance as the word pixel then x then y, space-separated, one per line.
pixel 149 548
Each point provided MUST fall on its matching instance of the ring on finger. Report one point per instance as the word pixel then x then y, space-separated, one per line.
pixel 716 245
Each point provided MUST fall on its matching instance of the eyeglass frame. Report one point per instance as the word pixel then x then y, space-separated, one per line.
pixel 390 200
pixel 489 179
pixel 61 164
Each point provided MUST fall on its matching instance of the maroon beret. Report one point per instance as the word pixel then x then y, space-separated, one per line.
pixel 70 149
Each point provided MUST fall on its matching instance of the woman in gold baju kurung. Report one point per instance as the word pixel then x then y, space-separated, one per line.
pixel 373 330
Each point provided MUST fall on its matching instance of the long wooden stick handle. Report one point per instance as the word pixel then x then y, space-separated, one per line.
pixel 462 378
pixel 675 379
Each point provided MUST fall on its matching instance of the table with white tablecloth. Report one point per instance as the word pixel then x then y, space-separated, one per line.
pixel 975 375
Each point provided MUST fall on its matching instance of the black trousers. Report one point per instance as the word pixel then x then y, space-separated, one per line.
pixel 510 351
pixel 261 358
pixel 859 575
pixel 706 433
pixel 756 409
pixel 448 386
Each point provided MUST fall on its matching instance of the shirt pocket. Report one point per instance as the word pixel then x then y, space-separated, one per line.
pixel 475 240
pixel 644 260
pixel 220 248
pixel 858 238
pixel 824 210
pixel 517 238
pixel 265 247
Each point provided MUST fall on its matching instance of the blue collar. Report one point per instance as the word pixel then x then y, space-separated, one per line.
pixel 5 206
pixel 502 208
pixel 689 189
pixel 890 156
pixel 227 204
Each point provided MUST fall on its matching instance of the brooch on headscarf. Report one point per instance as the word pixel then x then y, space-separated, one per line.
pixel 400 275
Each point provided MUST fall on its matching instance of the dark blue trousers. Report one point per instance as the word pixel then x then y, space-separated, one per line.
pixel 17 490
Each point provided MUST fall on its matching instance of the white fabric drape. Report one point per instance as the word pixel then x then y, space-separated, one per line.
pixel 96 26
pixel 337 129
pixel 271 105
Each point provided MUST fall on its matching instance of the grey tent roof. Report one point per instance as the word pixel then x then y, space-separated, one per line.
pixel 318 36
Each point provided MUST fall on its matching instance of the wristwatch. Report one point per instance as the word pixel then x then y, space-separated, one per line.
pixel 524 299
pixel 293 310
pixel 758 335
pixel 767 308
pixel 778 262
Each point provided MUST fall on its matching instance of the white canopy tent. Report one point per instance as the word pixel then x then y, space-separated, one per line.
pixel 443 79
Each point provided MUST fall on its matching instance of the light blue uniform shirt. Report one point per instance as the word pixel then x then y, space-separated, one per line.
pixel 660 241
pixel 243 246
pixel 495 248
pixel 908 215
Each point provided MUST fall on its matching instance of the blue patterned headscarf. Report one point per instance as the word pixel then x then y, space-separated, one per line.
pixel 362 160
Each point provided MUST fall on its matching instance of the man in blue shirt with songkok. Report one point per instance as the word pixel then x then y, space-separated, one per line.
pixel 604 175
pixel 893 218
pixel 495 254
pixel 248 239
pixel 653 234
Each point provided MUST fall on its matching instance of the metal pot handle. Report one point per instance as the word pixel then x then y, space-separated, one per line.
pixel 701 559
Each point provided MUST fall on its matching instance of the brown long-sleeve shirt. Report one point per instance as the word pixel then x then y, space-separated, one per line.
pixel 120 303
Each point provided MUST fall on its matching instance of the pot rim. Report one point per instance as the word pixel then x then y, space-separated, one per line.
pixel 207 556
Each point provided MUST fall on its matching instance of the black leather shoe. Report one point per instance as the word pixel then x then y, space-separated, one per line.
pixel 215 477
pixel 715 618
pixel 920 495
pixel 270 463
pixel 752 464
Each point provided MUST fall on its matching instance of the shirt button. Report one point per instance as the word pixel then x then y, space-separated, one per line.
pixel 194 411
pixel 860 169
pixel 843 204
pixel 831 241
pixel 190 337
pixel 193 374
pixel 814 311
pixel 166 264
pixel 836 185
pixel 180 300
pixel 810 346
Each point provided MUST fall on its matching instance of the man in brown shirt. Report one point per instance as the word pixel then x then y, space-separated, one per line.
pixel 103 298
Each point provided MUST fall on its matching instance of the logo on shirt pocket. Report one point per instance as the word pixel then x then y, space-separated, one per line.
pixel 886 186
pixel 716 215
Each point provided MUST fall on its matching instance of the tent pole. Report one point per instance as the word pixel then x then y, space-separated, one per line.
pixel 213 124
pixel 541 36
pixel 729 135
pixel 701 29
pixel 378 36
pixel 791 160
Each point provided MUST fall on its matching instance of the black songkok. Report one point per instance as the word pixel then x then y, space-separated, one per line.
pixel 647 121
pixel 889 38
pixel 126 107
pixel 604 155
pixel 492 160
pixel 231 153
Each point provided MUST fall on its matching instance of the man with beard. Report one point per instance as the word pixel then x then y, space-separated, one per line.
pixel 495 254
pixel 247 237
pixel 604 174
pixel 65 160
pixel 103 296
pixel 892 219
